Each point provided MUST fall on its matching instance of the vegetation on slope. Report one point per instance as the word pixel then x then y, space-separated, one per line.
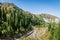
pixel 55 32
pixel 13 20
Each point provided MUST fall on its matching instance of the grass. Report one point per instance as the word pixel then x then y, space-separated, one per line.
pixel 42 32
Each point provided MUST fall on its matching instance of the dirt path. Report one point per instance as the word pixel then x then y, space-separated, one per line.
pixel 38 33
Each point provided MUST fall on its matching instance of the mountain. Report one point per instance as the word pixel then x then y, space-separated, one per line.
pixel 13 20
pixel 47 17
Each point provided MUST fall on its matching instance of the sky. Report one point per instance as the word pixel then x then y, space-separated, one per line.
pixel 38 6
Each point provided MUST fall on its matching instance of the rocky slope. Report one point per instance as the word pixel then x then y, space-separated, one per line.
pixel 48 17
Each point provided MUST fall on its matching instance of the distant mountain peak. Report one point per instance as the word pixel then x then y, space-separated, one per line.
pixel 49 16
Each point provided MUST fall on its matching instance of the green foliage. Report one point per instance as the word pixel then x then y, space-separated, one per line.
pixel 14 21
pixel 37 21
pixel 55 31
pixel 51 28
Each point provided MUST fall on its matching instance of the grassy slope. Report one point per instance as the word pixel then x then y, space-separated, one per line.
pixel 41 33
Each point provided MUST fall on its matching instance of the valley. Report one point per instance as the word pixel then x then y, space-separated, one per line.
pixel 18 24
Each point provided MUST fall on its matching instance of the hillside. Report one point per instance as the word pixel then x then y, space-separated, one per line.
pixel 17 23
pixel 13 20
pixel 47 17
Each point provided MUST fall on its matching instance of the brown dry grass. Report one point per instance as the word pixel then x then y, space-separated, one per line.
pixel 42 33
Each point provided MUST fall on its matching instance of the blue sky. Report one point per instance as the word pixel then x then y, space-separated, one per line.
pixel 38 6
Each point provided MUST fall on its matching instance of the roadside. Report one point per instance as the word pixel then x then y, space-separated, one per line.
pixel 38 34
